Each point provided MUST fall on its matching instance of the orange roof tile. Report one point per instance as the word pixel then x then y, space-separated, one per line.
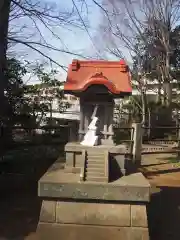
pixel 114 75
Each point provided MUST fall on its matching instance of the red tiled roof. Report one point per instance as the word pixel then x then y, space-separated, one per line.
pixel 112 74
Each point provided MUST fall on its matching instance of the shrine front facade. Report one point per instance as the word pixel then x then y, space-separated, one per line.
pixel 97 84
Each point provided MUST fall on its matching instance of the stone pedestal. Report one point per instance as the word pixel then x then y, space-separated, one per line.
pixel 117 156
pixel 79 210
pixel 79 220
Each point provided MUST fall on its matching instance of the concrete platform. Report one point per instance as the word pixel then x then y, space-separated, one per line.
pixel 79 220
pixel 113 149
pixel 57 183
pixel 74 210
pixel 119 159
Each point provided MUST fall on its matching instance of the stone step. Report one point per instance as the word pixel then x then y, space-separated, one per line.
pixel 96 160
pixel 94 169
pixel 95 153
pixel 94 164
pixel 94 174
pixel 96 179
pixel 93 161
pixel 95 157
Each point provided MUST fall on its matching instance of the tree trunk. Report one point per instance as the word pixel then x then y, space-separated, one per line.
pixel 144 107
pixel 149 123
pixel 4 21
pixel 167 81
pixel 159 90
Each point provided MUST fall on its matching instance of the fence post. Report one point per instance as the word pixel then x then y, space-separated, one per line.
pixel 137 143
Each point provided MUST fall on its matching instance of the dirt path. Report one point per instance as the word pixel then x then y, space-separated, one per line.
pixel 161 169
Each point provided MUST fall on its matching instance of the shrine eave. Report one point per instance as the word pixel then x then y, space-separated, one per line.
pixel 80 92
pixel 114 76
pixel 83 87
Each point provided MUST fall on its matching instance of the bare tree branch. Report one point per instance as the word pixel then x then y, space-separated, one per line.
pixel 40 52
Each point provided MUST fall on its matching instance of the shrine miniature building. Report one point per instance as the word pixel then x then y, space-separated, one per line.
pixel 93 193
pixel 97 83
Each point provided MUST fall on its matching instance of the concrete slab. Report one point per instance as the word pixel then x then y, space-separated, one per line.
pixel 81 232
pixel 77 147
pixel 93 214
pixel 57 183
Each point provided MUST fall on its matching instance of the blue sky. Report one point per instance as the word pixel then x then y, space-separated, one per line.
pixel 72 39
pixel 69 38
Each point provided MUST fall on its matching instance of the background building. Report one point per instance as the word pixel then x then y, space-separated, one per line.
pixel 67 106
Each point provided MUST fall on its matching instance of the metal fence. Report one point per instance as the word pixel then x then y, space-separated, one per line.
pixel 165 140
pixel 161 132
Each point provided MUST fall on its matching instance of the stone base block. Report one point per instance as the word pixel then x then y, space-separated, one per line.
pixel 58 184
pixel 85 220
pixel 53 231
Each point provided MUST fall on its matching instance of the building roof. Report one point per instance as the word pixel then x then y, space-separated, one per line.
pixel 114 75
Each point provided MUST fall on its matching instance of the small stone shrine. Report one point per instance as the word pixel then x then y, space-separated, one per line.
pixel 95 195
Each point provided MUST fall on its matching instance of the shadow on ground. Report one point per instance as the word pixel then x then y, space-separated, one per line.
pixel 164 209
pixel 164 214
pixel 20 205
pixel 19 216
